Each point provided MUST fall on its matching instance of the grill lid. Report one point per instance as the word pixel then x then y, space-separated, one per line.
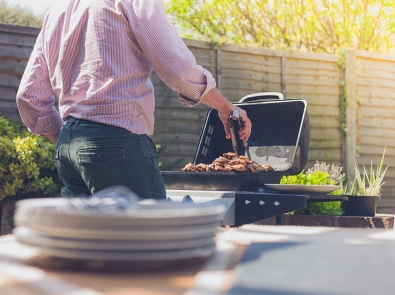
pixel 280 135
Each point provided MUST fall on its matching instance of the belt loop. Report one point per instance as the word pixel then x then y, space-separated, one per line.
pixel 72 122
pixel 153 145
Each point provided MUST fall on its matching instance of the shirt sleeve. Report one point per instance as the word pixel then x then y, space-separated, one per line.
pixel 170 57
pixel 35 98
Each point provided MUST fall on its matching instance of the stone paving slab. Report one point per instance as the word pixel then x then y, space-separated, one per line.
pixel 310 260
pixel 379 221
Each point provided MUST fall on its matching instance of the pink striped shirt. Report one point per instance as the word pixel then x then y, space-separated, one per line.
pixel 95 58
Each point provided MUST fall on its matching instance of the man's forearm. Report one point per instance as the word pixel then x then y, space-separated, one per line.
pixel 52 137
pixel 217 101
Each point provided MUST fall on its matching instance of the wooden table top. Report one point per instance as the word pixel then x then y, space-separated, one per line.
pixel 253 258
pixel 24 271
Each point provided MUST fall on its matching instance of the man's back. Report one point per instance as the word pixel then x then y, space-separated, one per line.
pixel 98 55
pixel 93 57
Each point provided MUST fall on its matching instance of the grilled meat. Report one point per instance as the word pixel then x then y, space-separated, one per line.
pixel 239 167
pixel 254 167
pixel 201 167
pixel 221 161
pixel 230 155
pixel 189 167
pixel 267 167
pixel 240 161
pixel 229 162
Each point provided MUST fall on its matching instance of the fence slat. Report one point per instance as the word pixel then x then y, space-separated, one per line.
pixel 10 80
pixel 7 93
pixel 13 39
pixel 15 51
pixel 11 65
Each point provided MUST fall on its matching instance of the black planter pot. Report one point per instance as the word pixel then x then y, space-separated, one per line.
pixel 361 206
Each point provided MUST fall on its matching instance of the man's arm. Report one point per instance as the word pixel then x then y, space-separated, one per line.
pixel 52 137
pixel 171 59
pixel 217 101
pixel 35 98
pixel 175 64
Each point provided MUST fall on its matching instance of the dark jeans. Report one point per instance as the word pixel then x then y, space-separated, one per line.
pixel 92 156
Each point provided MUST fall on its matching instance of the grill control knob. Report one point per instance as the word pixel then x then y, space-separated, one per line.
pixel 261 203
pixel 276 203
pixel 247 202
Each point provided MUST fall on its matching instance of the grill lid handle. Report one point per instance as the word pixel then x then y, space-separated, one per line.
pixel 257 97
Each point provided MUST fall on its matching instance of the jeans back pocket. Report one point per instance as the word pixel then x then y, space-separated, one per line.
pixel 101 155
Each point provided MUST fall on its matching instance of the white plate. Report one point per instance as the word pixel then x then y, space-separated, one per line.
pixel 27 236
pixel 137 256
pixel 305 189
pixel 169 233
pixel 48 217
pixel 67 219
pixel 158 214
pixel 48 221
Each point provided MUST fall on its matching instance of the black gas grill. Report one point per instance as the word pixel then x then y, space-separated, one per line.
pixel 280 137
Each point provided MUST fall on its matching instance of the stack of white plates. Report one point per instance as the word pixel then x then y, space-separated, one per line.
pixel 160 231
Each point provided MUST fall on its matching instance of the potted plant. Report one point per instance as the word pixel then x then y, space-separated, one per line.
pixel 364 192
pixel 27 168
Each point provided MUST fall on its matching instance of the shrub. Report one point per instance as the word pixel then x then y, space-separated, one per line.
pixel 166 165
pixel 17 15
pixel 27 164
pixel 319 174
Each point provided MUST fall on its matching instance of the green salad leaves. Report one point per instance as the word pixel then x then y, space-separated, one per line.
pixel 320 174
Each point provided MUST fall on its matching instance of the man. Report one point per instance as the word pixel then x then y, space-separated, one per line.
pixel 95 58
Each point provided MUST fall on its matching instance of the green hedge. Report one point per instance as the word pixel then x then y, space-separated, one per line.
pixel 27 163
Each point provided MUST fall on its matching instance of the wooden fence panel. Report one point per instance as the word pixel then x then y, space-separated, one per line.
pixel 318 82
pixel 375 91
pixel 241 71
pixel 16 44
pixel 245 73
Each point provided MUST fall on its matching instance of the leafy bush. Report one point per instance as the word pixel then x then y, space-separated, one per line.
pixel 18 15
pixel 166 165
pixel 308 25
pixel 334 171
pixel 332 208
pixel 27 162
pixel 319 174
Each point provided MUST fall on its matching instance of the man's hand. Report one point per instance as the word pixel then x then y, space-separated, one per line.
pixel 215 100
pixel 52 137
pixel 245 131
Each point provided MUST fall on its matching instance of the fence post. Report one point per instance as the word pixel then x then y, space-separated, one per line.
pixel 283 75
pixel 218 68
pixel 351 113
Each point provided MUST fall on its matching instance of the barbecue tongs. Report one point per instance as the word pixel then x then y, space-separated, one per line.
pixel 234 115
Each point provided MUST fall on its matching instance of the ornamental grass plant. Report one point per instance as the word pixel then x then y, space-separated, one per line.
pixel 368 183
